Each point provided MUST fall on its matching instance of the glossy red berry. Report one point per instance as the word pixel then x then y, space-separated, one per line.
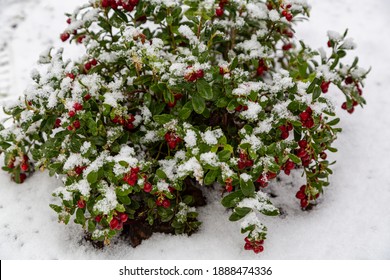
pixel 87 66
pixel 106 3
pixel 166 203
pixel 81 204
pixel 148 187
pixel 219 12
pixel 98 218
pixel 64 36
pixel 57 123
pixel 349 80
pixel 77 106
pixel 22 177
pixel 302 143
pixel 24 166
pixel 76 124
pixel 123 217
pixel 325 86
pixel 71 114
pixel 229 188
pixel 93 62
pixel 114 223
pixel 87 97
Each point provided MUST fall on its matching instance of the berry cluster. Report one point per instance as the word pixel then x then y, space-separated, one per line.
pixel 79 169
pixel 118 220
pixel 285 129
pixel 287 167
pixel 162 201
pixel 244 161
pixel 325 86
pixel 220 10
pixel 192 75
pixel 286 13
pixel 302 195
pixel 132 176
pixel 265 178
pixel 304 152
pixel 261 68
pixel 127 5
pixel 172 139
pixel 307 118
pixel 127 123
pixel 89 64
pixel 255 245
pixel 81 203
pixel 229 185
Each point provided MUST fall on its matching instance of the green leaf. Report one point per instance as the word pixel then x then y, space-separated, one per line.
pixel 232 199
pixel 248 188
pixel 210 177
pixel 317 92
pixel 313 84
pixel 204 89
pixel 143 80
pixel 80 219
pixel 121 15
pixel 334 122
pixel 270 213
pixel 92 177
pixel 163 119
pixel 91 226
pixel 186 111
pixel 224 155
pixel 294 158
pixel 242 211
pixel 234 217
pixel 56 208
pixel 198 103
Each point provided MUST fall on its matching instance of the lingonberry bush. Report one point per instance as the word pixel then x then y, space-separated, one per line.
pixel 170 94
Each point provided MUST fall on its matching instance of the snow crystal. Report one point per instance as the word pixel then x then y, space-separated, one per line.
pixel 63 192
pixel 81 186
pixel 209 158
pixel 246 88
pixel 210 137
pixel 246 177
pixel 146 114
pixel 253 111
pixel 85 147
pixel 108 203
pixel 254 141
pixel 162 186
pixel 192 166
pixel 75 160
pixel 349 44
pixel 334 36
pixel 169 168
pixel 190 138
pixel 257 11
pixel 274 15
pixel 96 164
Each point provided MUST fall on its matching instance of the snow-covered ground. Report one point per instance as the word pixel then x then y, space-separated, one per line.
pixel 351 222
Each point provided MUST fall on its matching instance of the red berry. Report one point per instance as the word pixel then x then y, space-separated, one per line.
pixel 80 39
pixel 78 170
pixel 344 106
pixel 287 47
pixel 304 116
pixel 93 62
pixel 241 164
pixel 71 75
pixel 87 97
pixel 135 170
pixel 330 43
pixel 349 80
pixel 24 166
pixel 87 66
pixel 98 218
pixel 71 114
pixel 258 249
pixel 178 96
pixel 77 106
pixel 199 74
pixel 249 163
pixel 22 177
pixel 133 2
pixel 123 217
pixel 229 188
pixel 114 223
pixel 309 123
pixel 304 203
pixel 260 70
pixel 302 143
pixel 221 71
pixel 323 155
pixel 300 195
pixel 120 226
pixel 148 187
pixel 64 36
pixel 248 246
pixel 128 7
pixel 81 204
pixel 57 123
pixel 325 86
pixel 171 104
pixel 106 3
pixel 284 135
pixel 301 153
pixel 68 21
pixel 76 124
pixel 290 165
pixel 70 128
pixel 219 12
pixel 166 203
pixel 351 110
pixel 289 16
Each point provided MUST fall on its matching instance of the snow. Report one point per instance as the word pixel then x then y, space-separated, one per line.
pixel 351 222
